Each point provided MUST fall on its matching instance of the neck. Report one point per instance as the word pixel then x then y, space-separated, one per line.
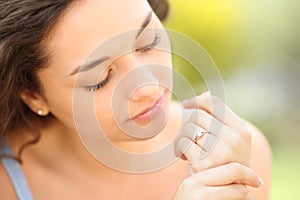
pixel 60 147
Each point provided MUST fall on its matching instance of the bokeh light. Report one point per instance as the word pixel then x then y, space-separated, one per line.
pixel 256 46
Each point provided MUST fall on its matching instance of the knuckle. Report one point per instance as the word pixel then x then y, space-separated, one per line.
pixel 197 115
pixel 208 99
pixel 237 143
pixel 243 141
pixel 215 101
pixel 239 170
pixel 242 190
pixel 235 167
pixel 232 141
pixel 205 94
pixel 244 132
pixel 247 134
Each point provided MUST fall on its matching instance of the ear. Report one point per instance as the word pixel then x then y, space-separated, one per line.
pixel 35 102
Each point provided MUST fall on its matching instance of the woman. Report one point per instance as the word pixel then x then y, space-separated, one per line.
pixel 41 44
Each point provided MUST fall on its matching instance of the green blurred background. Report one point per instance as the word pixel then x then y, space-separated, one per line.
pixel 256 46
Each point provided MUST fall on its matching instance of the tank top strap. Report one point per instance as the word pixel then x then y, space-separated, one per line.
pixel 15 173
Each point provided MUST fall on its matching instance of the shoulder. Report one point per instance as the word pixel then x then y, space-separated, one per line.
pixel 6 189
pixel 261 160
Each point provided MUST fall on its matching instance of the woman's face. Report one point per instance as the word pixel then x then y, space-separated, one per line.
pixel 117 50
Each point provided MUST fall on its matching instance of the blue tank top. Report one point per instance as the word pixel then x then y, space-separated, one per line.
pixel 15 173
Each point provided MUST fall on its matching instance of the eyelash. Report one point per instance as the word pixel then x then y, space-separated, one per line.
pixel 149 47
pixel 101 84
pixel 144 49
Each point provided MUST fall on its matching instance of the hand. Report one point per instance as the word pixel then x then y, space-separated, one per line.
pixel 223 182
pixel 228 138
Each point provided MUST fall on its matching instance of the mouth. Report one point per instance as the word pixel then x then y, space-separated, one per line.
pixel 150 111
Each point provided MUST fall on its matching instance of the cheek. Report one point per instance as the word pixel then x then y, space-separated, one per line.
pixel 159 57
pixel 166 57
pixel 60 104
pixel 104 111
pixel 59 99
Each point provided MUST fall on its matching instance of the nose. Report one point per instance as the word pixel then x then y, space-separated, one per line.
pixel 149 90
pixel 139 80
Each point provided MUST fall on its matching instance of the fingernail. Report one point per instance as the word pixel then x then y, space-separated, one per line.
pixel 261 181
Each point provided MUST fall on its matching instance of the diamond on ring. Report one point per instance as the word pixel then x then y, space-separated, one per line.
pixel 199 135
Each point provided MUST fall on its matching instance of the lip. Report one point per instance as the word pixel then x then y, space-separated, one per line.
pixel 150 111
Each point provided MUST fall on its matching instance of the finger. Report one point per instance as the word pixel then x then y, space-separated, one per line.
pixel 192 152
pixel 228 174
pixel 196 121
pixel 186 130
pixel 235 191
pixel 216 108
pixel 207 122
pixel 195 133
pixel 190 130
pixel 206 142
pixel 229 192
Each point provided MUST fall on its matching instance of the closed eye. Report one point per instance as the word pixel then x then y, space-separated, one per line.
pixel 101 84
pixel 150 46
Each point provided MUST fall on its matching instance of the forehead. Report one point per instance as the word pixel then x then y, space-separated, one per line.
pixel 90 22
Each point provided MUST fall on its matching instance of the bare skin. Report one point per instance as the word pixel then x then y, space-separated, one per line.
pixel 59 167
pixel 65 178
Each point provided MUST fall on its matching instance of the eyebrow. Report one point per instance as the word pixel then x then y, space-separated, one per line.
pixel 91 65
pixel 144 24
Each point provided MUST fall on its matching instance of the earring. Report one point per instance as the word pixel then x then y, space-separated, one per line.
pixel 40 112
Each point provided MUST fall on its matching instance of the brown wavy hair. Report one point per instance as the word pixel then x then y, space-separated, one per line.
pixel 24 26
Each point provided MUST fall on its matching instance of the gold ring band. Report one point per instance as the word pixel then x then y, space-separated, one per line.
pixel 199 135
